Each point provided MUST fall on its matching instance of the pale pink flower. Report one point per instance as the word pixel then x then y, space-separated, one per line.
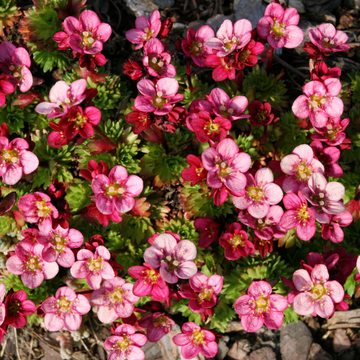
pixel 261 192
pixel 194 340
pixel 115 299
pixel 38 209
pixel 328 39
pixel 2 305
pixel 278 26
pixel 157 61
pixel 145 29
pixel 193 46
pixel 28 263
pixel 325 197
pixel 93 267
pixel 65 309
pixel 116 191
pixel 260 307
pixel 125 344
pixel 15 160
pixel 299 215
pixel 226 165
pixel 157 324
pixel 62 98
pixel 333 131
pixel 299 165
pixel 58 244
pixel 332 230
pixel 232 109
pixel 230 37
pixel 16 61
pixel 316 293
pixel 176 260
pixel 320 102
pixel 157 98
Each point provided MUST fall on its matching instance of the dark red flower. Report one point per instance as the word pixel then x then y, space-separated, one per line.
pixel 209 229
pixel 141 120
pixel 166 27
pixel 89 61
pixel 134 69
pixel 95 169
pixel 248 55
pixel 196 173
pixel 260 114
pixel 263 246
pixel 321 72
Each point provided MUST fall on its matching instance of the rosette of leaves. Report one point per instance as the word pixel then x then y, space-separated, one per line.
pixel 246 144
pixel 8 15
pixel 159 209
pixel 178 141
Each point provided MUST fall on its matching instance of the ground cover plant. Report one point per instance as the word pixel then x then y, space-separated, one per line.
pixel 183 198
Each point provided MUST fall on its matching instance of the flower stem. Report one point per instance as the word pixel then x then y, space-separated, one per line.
pixel 104 136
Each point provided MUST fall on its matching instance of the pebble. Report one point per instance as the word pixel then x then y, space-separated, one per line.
pixel 265 353
pixel 341 341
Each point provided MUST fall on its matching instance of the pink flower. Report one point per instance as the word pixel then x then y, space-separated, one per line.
pixel 15 160
pixel 236 242
pixel 117 191
pixel 224 67
pixel 209 229
pixel 260 113
pixel 157 324
pixel 261 192
pixel 38 209
pixel 125 344
pixel 157 61
pixel 230 37
pixel 332 230
pixel 150 282
pixel 176 260
pixel 196 172
pixel 2 305
pixel 62 98
pixel 7 86
pixel 58 244
pixel 145 29
pixel 299 215
pixel 141 120
pixel 115 299
pixel 232 109
pixel 16 61
pixel 28 263
pixel 325 197
pixel 93 267
pixel 260 307
pixel 248 55
pixel 202 291
pixel 316 294
pixel 194 46
pixel 278 27
pixel 65 309
pixel 157 98
pixel 226 165
pixel 299 165
pixel 195 340
pixel 319 102
pixel 328 39
pixel 332 132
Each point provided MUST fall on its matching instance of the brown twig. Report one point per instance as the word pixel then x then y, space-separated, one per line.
pixel 284 63
pixel 16 344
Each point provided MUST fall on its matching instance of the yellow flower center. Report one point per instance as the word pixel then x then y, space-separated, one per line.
pixel 114 190
pixel 10 156
pixel 255 193
pixel 237 240
pixel 304 171
pixel 33 263
pixel 277 29
pixel 95 264
pixel 197 337
pixel 42 209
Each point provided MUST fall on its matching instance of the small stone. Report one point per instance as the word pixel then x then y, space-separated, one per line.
pixel 239 350
pixel 164 3
pixel 305 26
pixel 341 341
pixel 222 350
pixel 252 10
pixel 152 350
pixel 348 355
pixel 196 25
pixel 234 326
pixel 317 8
pixel 141 7
pixel 318 353
pixel 352 4
pixel 217 20
pixel 266 353
pixel 329 18
pixel 179 26
pixel 298 5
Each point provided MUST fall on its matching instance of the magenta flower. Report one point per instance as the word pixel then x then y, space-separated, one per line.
pixel 232 109
pixel 260 307
pixel 176 260
pixel 15 160
pixel 157 98
pixel 261 192
pixel 196 172
pixel 38 209
pixel 157 61
pixel 93 267
pixel 224 67
pixel 115 299
pixel 116 191
pixel 236 242
pixel 328 39
pixel 62 98
pixel 58 244
pixel 145 29
pixel 7 86
pixel 299 215
pixel 202 291
pixel 16 61
pixel 226 165
pixel 325 197
pixel 65 309
pixel 209 229
pixel 319 102
pixel 194 46
pixel 150 282
pixel 278 26
pixel 333 131
pixel 2 305
pixel 316 294
pixel 332 230
pixel 28 263
pixel 195 340
pixel 157 324
pixel 248 55
pixel 299 165
pixel 230 37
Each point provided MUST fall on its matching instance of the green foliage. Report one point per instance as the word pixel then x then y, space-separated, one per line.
pixel 183 307
pixel 223 314
pixel 8 9
pixel 179 140
pixel 78 195
pixel 350 180
pixel 290 316
pixel 180 225
pixel 351 284
pixel 199 90
pixel 48 60
pixel 355 86
pixel 246 143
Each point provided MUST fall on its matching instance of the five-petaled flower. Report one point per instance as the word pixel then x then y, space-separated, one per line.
pixel 157 324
